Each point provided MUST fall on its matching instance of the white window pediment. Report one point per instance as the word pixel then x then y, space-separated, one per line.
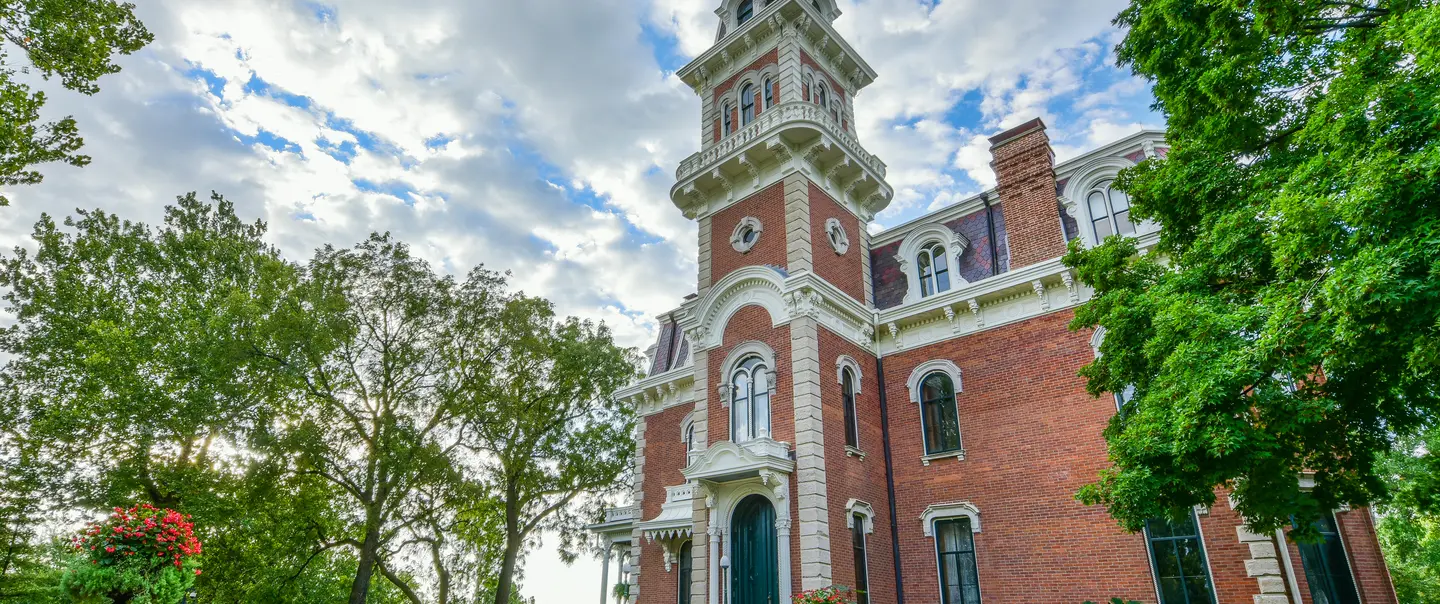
pixel 918 240
pixel 945 366
pixel 863 509
pixel 846 362
pixel 1096 177
pixel 950 510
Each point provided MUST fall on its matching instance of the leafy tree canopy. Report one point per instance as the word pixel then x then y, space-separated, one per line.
pixel 74 40
pixel 1289 321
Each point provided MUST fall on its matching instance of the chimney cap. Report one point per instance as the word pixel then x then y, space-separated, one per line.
pixel 1016 132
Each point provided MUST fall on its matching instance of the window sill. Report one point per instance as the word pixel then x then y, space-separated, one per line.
pixel 853 452
pixel 959 455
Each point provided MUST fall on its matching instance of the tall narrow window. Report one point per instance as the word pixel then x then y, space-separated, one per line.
pixel 1179 558
pixel 835 110
pixel 769 93
pixel 725 118
pixel 747 104
pixel 862 570
pixel 1109 212
pixel 746 10
pixel 1124 398
pixel 852 415
pixel 941 421
pixel 1327 568
pixel 820 98
pixel 934 270
pixel 687 563
pixel 690 444
pixel 955 547
pixel 809 87
pixel 750 401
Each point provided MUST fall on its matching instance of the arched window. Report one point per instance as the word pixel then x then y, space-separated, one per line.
pixel 852 413
pixel 809 86
pixel 750 401
pixel 938 416
pixel 820 97
pixel 690 444
pixel 835 110
pixel 934 270
pixel 726 120
pixel 687 565
pixel 747 104
pixel 746 10
pixel 769 93
pixel 1109 212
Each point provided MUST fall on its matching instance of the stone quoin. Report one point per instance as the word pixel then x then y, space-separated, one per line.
pixel 900 412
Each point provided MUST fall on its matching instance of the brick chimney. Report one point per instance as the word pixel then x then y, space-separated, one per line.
pixel 1025 170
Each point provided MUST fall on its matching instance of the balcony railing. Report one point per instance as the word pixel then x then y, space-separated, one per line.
pixel 621 514
pixel 769 121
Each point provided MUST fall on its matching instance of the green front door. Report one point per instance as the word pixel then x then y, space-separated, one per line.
pixel 753 564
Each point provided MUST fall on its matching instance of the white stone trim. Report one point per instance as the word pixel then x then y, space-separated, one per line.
pixel 955 245
pixel 751 285
pixel 950 510
pixel 945 366
pixel 843 362
pixel 855 506
pixel 739 353
pixel 840 241
pixel 1087 179
pixel 737 239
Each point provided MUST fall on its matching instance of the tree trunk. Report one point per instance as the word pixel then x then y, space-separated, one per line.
pixel 360 589
pixel 513 539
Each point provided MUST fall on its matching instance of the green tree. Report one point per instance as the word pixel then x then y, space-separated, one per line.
pixel 1290 319
pixel 73 39
pixel 554 441
pixel 384 353
pixel 1409 526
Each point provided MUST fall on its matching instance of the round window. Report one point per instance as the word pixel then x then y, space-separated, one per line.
pixel 746 234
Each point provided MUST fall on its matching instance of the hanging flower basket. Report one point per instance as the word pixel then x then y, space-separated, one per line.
pixel 143 555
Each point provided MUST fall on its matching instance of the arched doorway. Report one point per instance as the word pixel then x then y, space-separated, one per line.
pixel 754 566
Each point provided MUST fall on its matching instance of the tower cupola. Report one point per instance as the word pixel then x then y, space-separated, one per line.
pixel 735 13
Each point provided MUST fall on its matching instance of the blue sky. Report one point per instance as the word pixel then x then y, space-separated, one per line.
pixel 541 137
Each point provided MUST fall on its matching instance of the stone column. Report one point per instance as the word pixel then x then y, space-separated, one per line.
pixel 810 455
pixel 714 587
pixel 605 572
pixel 1264 566
pixel 799 255
pixel 782 539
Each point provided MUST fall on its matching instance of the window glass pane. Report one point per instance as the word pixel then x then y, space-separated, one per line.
pixel 847 398
pixel 1119 201
pixel 931 416
pixel 955 547
pixel 862 573
pixel 746 10
pixel 761 413
pixel 1179 561
pixel 747 104
pixel 687 563
pixel 1122 220
pixel 1102 228
pixel 740 407
pixel 1097 206
pixel 769 93
pixel 1327 568
pixel 936 387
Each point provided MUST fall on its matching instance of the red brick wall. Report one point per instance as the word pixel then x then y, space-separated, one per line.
pixel 769 58
pixel 834 85
pixel 665 456
pixel 845 272
pixel 1025 171
pixel 1032 438
pixel 851 477
pixel 1226 554
pixel 751 323
pixel 768 205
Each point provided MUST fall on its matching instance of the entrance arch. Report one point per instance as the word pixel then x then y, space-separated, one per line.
pixel 754 563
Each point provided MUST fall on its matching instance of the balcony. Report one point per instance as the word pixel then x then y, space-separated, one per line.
pixel 726 461
pixel 779 135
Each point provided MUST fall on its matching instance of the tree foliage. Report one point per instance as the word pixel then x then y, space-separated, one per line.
pixel 1289 322
pixel 1409 527
pixel 75 40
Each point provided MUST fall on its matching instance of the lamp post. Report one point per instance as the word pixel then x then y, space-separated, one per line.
pixel 724 575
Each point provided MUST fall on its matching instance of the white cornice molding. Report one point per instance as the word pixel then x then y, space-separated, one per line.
pixel 790 13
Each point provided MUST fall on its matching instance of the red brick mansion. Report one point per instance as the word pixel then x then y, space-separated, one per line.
pixel 900 412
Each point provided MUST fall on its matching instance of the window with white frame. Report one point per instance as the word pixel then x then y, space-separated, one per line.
pixel 955 557
pixel 727 123
pixel 747 104
pixel 1327 567
pixel 690 443
pixel 939 416
pixel 934 269
pixel 852 412
pixel 821 98
pixel 1109 211
pixel 809 87
pixel 769 93
pixel 862 559
pixel 744 12
pixel 1182 572
pixel 750 400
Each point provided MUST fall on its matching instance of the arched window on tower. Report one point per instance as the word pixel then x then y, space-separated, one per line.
pixel 835 110
pixel 728 125
pixel 820 98
pixel 809 87
pixel 750 400
pixel 746 10
pixel 769 93
pixel 852 415
pixel 1109 212
pixel 934 270
pixel 747 104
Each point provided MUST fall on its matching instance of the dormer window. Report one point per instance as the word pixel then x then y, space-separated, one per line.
pixel 747 104
pixel 934 270
pixel 726 120
pixel 746 10
pixel 1109 211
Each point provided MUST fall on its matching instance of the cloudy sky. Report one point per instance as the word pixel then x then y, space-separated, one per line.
pixel 541 136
